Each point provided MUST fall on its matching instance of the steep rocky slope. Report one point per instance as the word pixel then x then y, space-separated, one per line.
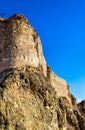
pixel 29 102
pixel 81 107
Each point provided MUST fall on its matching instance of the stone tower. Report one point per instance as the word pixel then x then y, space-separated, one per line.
pixel 19 44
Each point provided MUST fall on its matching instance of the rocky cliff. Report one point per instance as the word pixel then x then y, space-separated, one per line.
pixel 81 107
pixel 32 97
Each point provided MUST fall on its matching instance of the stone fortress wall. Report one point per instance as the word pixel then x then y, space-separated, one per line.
pixel 59 84
pixel 20 45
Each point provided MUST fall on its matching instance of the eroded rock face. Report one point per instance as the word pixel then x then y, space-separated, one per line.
pixel 29 102
pixel 81 107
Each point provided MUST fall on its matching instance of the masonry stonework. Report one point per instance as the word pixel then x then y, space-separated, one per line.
pixel 20 45
pixel 59 84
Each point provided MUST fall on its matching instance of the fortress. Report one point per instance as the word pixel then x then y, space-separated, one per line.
pixel 20 45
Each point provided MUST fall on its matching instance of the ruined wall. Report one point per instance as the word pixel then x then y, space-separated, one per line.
pixel 19 44
pixel 59 84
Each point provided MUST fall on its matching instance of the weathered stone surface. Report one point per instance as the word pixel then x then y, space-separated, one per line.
pixel 32 97
pixel 81 107
pixel 29 102
pixel 59 84
pixel 20 45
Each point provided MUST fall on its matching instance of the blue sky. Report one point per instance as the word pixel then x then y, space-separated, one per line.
pixel 61 26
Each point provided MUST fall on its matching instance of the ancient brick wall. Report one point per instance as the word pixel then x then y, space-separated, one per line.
pixel 59 85
pixel 19 44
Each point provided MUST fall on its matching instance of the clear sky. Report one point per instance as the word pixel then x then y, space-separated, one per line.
pixel 61 26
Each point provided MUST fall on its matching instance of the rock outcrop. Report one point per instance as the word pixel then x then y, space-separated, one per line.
pixel 81 107
pixel 32 97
